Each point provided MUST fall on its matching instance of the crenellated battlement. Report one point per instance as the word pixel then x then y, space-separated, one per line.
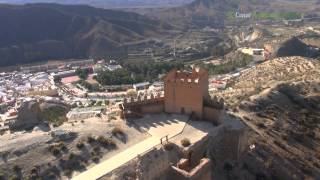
pixel 185 92
pixel 187 81
pixel 143 100
pixel 177 76
pixel 214 102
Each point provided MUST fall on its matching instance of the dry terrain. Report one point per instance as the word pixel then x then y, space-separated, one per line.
pixel 279 100
pixel 87 143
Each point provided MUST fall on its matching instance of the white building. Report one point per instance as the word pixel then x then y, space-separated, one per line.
pixel 114 67
pixel 257 54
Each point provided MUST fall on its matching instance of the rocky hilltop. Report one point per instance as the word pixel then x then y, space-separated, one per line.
pixel 279 100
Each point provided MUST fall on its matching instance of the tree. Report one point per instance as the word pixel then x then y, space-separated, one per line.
pixel 132 93
pixel 82 73
pixel 57 79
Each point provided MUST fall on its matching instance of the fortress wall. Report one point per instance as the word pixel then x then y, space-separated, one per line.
pixel 162 165
pixel 154 164
pixel 123 172
pixel 201 172
pixel 183 95
pixel 229 145
pixel 43 93
pixel 198 150
pixel 152 109
pixel 212 114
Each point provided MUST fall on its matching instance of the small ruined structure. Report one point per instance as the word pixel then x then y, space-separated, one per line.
pixel 184 93
pixel 184 171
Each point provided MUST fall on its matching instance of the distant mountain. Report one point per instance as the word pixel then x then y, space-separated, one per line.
pixel 108 3
pixel 205 12
pixel 36 32
pixel 216 12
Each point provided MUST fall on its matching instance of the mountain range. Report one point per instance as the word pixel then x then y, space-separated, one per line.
pixel 107 3
pixel 202 13
pixel 36 32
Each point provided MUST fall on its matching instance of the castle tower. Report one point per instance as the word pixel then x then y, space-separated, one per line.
pixel 185 91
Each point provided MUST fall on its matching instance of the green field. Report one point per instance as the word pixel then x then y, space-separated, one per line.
pixel 231 15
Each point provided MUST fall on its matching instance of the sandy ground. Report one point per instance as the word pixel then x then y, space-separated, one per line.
pixel 157 125
pixel 21 148
pixel 161 125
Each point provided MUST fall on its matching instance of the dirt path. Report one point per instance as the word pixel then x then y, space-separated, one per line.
pixel 116 161
pixel 157 126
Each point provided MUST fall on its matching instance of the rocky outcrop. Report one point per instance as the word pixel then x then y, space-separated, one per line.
pixel 292 47
pixel 28 116
pixel 33 112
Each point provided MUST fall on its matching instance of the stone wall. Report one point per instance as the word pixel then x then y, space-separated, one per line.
pixel 185 91
pixel 212 114
pixel 28 116
pixel 229 145
pixel 183 97
pixel 153 164
pixel 52 92
pixel 132 107
pixel 197 150
pixel 152 109
pixel 226 144
pixel 201 172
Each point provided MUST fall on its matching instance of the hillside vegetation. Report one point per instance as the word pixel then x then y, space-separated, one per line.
pixel 279 101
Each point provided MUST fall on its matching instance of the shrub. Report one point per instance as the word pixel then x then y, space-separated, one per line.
pixel 16 169
pixel 14 177
pixel 34 170
pixel 2 176
pixel 168 146
pixel 80 145
pixel 185 142
pixel 106 142
pixel 117 130
pixel 63 147
pixel 50 175
pixel 99 103
pixel 261 125
pixel 33 177
pixel 91 139
pixel 71 156
pixel 95 159
pixel 55 151
pixel 96 149
pixel 68 172
pixel 55 115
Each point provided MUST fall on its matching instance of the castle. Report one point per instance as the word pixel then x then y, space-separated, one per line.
pixel 184 93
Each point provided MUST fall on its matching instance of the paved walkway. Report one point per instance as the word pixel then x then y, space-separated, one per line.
pixel 157 125
pixel 118 160
pixel 160 125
